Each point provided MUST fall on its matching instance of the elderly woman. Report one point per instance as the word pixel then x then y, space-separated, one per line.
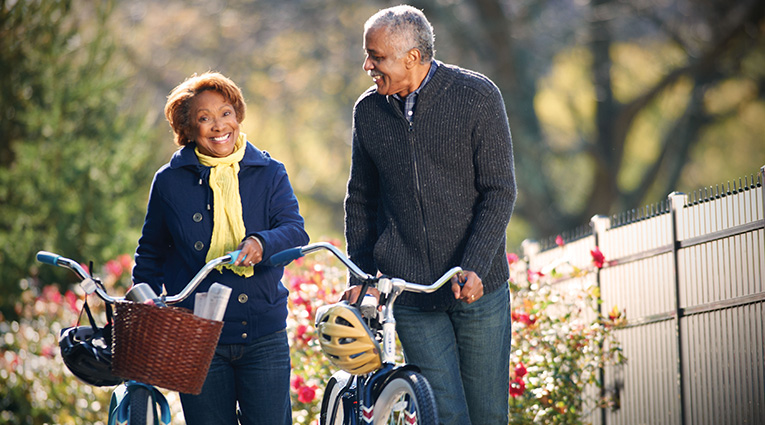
pixel 219 193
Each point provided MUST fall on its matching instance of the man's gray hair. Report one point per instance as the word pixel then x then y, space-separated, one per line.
pixel 408 28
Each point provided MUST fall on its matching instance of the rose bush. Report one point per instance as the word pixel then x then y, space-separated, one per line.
pixel 37 387
pixel 313 281
pixel 560 341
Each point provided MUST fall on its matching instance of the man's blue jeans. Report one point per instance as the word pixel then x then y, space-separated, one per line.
pixel 464 352
pixel 256 376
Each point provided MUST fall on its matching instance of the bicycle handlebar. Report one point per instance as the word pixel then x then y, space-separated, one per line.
pixel 285 257
pixel 52 259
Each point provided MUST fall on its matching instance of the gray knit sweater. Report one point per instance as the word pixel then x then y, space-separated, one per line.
pixel 436 193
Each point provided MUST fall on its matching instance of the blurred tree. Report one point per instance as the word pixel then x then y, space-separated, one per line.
pixel 615 103
pixel 74 167
pixel 298 64
pixel 611 103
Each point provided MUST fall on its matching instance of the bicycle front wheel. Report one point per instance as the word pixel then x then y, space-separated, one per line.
pixel 406 399
pixel 332 412
pixel 141 410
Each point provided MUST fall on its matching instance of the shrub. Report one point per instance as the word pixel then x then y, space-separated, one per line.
pixel 561 342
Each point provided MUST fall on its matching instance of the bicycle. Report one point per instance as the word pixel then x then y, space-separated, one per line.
pixel 132 402
pixel 360 339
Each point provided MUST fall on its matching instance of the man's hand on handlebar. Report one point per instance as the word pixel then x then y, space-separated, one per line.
pixel 467 286
pixel 352 294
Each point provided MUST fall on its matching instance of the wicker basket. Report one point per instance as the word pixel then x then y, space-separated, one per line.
pixel 168 347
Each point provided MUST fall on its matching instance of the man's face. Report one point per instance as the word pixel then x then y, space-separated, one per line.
pixel 391 74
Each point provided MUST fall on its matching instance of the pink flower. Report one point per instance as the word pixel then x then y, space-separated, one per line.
pixel 559 240
pixel 114 268
pixel 126 261
pixel 295 283
pixel 51 293
pixel 47 351
pixel 517 387
pixel 520 370
pixel 512 258
pixel 534 276
pixel 307 394
pixel 597 257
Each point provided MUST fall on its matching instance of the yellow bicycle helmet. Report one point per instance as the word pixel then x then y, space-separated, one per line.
pixel 346 341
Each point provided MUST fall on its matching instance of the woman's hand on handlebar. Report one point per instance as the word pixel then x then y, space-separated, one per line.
pixel 251 252
pixel 467 286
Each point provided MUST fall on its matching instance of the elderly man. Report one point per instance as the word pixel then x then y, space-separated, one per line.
pixel 432 186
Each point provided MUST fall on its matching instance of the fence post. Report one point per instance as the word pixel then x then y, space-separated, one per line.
pixel 762 189
pixel 530 249
pixel 677 201
pixel 600 224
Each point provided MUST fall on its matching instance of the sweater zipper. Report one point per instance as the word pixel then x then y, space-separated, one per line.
pixel 419 191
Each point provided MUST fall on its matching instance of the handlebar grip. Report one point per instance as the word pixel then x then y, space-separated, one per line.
pixel 234 255
pixel 48 258
pixel 285 257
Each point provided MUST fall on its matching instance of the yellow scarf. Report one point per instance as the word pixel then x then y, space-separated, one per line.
pixel 228 225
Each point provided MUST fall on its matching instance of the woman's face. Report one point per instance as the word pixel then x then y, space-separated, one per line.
pixel 216 128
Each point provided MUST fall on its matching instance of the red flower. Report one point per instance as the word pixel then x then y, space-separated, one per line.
pixel 597 257
pixel 71 300
pixel 520 370
pixel 523 317
pixel 512 258
pixel 559 240
pixel 302 334
pixel 306 394
pixel 517 387
pixel 296 382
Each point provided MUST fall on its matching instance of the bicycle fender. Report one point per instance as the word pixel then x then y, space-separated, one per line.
pixel 377 381
pixel 118 395
pixel 120 402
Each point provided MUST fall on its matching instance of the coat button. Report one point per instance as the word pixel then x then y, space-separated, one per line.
pixel 197 217
pixel 242 298
pixel 244 335
pixel 199 245
pixel 244 323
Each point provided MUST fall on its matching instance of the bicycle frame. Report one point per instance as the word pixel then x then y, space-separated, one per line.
pixel 359 392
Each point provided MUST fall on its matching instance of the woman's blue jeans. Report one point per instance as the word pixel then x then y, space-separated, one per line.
pixel 255 377
pixel 464 352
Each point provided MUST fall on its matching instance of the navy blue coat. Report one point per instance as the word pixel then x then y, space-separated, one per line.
pixel 178 227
